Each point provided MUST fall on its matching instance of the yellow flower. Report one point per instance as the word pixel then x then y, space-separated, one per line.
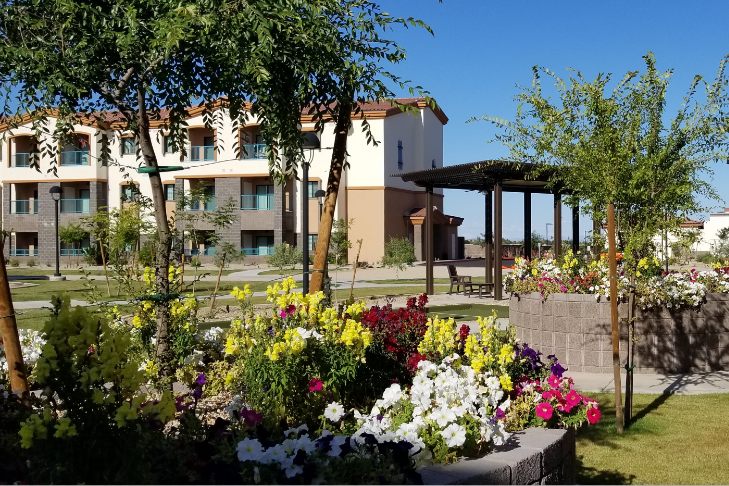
pixel 505 381
pixel 440 338
pixel 506 355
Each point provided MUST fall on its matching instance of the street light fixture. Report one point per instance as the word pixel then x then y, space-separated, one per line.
pixel 55 192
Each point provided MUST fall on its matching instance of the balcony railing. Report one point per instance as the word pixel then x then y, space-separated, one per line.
pixel 73 251
pixel 208 205
pixel 75 157
pixel 23 206
pixel 23 252
pixel 256 202
pixel 209 251
pixel 200 153
pixel 254 151
pixel 79 206
pixel 258 251
pixel 21 159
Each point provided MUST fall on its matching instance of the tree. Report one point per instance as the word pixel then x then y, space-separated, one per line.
pixel 399 254
pixel 99 225
pixel 221 219
pixel 340 244
pixel 614 152
pixel 135 58
pixel 284 256
pixel 614 146
pixel 73 234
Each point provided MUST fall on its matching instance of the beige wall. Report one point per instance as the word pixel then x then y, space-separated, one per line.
pixel 378 214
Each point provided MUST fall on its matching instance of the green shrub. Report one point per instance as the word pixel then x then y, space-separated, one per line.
pixel 31 263
pixel 285 256
pixel 13 262
pixel 399 253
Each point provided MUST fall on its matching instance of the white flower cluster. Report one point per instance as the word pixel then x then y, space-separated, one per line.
pixel 215 336
pixel 31 344
pixel 283 454
pixel 442 399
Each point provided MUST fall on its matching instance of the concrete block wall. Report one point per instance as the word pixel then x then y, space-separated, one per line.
pixel 577 329
pixel 532 456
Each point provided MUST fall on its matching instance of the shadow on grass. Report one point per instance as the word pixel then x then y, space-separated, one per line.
pixel 591 475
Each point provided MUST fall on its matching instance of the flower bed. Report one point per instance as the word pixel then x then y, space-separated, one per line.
pixel 317 394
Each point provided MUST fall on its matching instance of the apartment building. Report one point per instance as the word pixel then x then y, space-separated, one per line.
pixel 229 165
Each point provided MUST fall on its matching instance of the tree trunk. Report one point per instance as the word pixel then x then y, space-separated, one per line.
pixel 612 261
pixel 217 283
pixel 106 270
pixel 162 281
pixel 9 332
pixel 339 153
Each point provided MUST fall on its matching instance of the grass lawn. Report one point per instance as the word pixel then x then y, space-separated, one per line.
pixel 678 439
pixel 468 312
pixel 420 281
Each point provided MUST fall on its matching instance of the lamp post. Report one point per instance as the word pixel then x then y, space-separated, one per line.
pixel 55 193
pixel 546 234
pixel 311 142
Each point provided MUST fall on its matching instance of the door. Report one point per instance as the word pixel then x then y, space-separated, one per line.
pixel 264 197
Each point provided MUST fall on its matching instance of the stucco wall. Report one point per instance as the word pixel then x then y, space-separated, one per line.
pixel 576 328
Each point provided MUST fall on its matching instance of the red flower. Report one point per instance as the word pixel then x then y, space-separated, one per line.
pixel 544 411
pixel 573 398
pixel 464 332
pixel 554 381
pixel 593 415
pixel 413 361
pixel 315 385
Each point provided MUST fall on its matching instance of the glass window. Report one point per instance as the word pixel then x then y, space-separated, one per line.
pixel 168 148
pixel 312 187
pixel 312 241
pixel 169 192
pixel 400 162
pixel 128 146
pixel 128 192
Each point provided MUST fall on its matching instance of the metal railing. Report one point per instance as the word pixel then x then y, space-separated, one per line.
pixel 23 206
pixel 73 251
pixel 79 206
pixel 209 251
pixel 21 159
pixel 200 153
pixel 23 252
pixel 258 251
pixel 254 151
pixel 256 202
pixel 75 157
pixel 209 204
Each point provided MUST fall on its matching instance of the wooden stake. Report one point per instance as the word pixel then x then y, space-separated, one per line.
pixel 9 332
pixel 612 257
pixel 354 270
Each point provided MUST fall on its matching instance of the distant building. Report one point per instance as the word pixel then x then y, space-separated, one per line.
pixel 228 164
pixel 708 231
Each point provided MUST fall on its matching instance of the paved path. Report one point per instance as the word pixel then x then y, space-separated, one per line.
pixel 683 384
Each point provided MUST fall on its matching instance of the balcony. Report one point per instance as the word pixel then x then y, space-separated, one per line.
pixel 73 251
pixel 75 157
pixel 207 205
pixel 21 159
pixel 24 207
pixel 23 252
pixel 254 151
pixel 202 153
pixel 75 206
pixel 257 251
pixel 256 202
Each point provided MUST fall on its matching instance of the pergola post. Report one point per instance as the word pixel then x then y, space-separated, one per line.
pixel 575 229
pixel 489 238
pixel 498 254
pixel 429 240
pixel 557 246
pixel 528 225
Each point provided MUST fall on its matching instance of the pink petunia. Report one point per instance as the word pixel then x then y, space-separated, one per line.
pixel 573 398
pixel 554 381
pixel 315 385
pixel 544 411
pixel 593 415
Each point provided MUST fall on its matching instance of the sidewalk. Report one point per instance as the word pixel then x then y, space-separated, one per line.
pixel 682 384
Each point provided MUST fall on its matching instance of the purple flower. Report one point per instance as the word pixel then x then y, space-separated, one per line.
pixel 200 381
pixel 282 314
pixel 500 414
pixel 197 393
pixel 251 417
pixel 558 369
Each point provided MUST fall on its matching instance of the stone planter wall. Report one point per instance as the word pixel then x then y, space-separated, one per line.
pixel 576 328
pixel 533 456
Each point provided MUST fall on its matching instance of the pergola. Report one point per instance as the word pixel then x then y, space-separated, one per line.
pixel 492 178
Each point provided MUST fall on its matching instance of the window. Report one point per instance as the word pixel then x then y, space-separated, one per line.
pixel 128 192
pixel 128 146
pixel 433 164
pixel 400 163
pixel 169 192
pixel 167 147
pixel 311 188
pixel 312 241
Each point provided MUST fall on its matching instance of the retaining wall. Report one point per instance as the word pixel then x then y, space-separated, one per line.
pixel 532 456
pixel 576 328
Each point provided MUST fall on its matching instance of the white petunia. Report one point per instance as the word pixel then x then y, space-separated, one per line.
pixel 443 416
pixel 336 445
pixel 334 412
pixel 250 450
pixel 454 435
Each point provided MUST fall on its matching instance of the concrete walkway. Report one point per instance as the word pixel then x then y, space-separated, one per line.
pixel 683 384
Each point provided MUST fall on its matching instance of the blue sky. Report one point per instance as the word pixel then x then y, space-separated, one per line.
pixel 483 51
